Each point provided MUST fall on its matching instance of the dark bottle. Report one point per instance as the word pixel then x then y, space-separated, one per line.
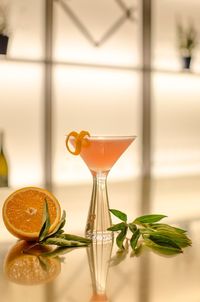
pixel 3 164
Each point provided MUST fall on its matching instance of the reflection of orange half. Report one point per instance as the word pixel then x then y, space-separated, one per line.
pixel 99 298
pixel 30 269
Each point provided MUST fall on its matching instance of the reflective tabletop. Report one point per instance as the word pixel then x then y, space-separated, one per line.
pixel 97 273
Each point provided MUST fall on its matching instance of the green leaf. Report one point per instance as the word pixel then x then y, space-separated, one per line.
pixel 165 250
pixel 122 216
pixel 180 239
pixel 75 238
pixel 167 227
pixel 163 240
pixel 121 237
pixel 117 227
pixel 60 225
pixel 149 218
pixel 134 239
pixel 63 242
pixel 132 227
pixel 46 222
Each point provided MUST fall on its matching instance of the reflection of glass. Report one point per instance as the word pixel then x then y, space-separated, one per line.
pixel 100 153
pixel 99 254
pixel 33 268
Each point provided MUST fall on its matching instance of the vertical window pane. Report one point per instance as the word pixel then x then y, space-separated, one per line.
pixel 21 118
pixel 26 28
pixel 75 40
pixel 176 124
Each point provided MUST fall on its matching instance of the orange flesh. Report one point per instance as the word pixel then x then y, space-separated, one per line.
pixel 26 210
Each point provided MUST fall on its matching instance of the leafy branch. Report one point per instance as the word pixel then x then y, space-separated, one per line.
pixel 145 230
pixel 58 236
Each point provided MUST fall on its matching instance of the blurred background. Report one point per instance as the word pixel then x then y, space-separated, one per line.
pixel 112 68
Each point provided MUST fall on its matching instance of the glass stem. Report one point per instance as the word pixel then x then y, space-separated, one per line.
pixel 99 219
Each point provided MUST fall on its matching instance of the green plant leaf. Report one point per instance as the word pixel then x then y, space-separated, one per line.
pixel 46 222
pixel 180 239
pixel 164 250
pixel 122 216
pixel 63 242
pixel 117 227
pixel 132 227
pixel 121 237
pixel 60 225
pixel 75 238
pixel 134 239
pixel 149 218
pixel 167 227
pixel 163 240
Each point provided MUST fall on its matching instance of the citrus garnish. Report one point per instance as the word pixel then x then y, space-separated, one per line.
pixel 79 141
pixel 32 268
pixel 99 298
pixel 23 212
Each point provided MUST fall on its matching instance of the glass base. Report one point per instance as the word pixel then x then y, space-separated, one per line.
pixel 99 236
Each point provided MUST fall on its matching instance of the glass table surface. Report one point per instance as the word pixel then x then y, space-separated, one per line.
pixel 96 273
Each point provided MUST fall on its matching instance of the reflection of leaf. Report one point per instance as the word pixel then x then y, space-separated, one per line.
pixel 119 256
pixel 44 263
pixel 58 251
pixel 137 251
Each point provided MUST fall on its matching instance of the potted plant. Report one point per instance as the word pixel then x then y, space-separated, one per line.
pixel 187 41
pixel 3 33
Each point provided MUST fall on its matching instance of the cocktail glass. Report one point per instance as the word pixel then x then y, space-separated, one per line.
pixel 100 154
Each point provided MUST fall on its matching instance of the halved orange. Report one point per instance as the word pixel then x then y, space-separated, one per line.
pixel 30 269
pixel 23 212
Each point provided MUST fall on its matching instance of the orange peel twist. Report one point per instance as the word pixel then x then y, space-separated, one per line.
pixel 79 141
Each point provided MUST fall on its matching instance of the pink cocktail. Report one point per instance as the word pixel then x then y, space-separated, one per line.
pixel 100 153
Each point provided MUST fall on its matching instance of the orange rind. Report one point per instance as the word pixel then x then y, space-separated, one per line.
pixel 79 141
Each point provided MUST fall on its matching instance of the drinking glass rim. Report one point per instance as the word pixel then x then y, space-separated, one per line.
pixel 111 136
